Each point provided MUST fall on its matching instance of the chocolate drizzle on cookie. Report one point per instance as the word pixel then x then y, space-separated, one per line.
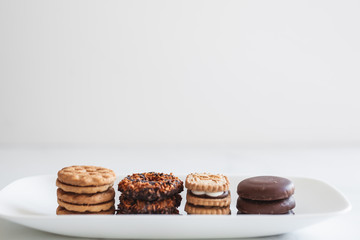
pixel 134 206
pixel 150 186
pixel 150 193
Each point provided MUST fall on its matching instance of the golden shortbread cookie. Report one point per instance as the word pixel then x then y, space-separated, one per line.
pixel 86 176
pixel 207 182
pixel 94 198
pixel 191 209
pixel 210 202
pixel 87 208
pixel 77 189
pixel 62 211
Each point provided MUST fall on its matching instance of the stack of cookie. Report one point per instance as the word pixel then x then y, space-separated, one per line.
pixel 265 195
pixel 85 190
pixel 150 193
pixel 207 194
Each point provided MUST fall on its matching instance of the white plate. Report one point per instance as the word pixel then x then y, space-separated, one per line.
pixel 32 202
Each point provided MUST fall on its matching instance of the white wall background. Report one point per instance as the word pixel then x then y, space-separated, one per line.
pixel 187 71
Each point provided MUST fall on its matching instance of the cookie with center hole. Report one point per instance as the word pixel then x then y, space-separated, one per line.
pixel 150 186
pixel 135 206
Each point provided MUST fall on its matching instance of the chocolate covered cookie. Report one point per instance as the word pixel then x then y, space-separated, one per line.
pixel 265 188
pixel 265 195
pixel 281 206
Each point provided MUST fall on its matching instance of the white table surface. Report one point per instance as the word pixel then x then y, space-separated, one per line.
pixel 338 166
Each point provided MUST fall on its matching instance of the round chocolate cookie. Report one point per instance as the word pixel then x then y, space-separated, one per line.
pixel 282 206
pixel 265 188
pixel 133 206
pixel 150 186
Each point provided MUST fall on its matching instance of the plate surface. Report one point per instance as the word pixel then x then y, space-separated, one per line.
pixel 32 202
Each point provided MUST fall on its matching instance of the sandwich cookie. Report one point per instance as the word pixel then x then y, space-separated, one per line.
pixel 207 194
pixel 85 190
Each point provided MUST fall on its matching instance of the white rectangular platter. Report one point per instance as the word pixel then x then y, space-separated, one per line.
pixel 32 202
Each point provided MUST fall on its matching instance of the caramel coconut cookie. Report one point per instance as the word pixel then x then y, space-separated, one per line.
pixel 207 194
pixel 134 206
pixel 265 195
pixel 150 186
pixel 85 190
pixel 150 193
